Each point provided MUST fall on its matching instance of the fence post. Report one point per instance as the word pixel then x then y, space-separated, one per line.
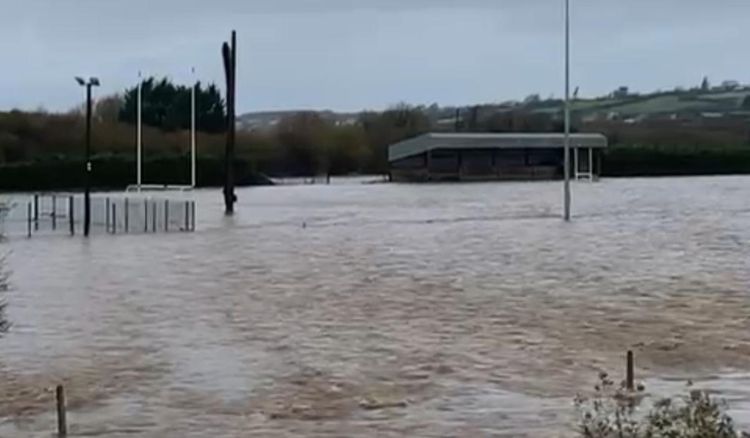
pixel 36 211
pixel 114 218
pixel 54 212
pixel 192 216
pixel 630 373
pixel 153 217
pixel 127 214
pixel 71 215
pixel 166 215
pixel 28 219
pixel 62 421
pixel 145 215
pixel 187 215
pixel 106 214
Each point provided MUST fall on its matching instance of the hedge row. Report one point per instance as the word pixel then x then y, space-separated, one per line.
pixel 674 161
pixel 117 172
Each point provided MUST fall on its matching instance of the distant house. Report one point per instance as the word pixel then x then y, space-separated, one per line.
pixel 490 156
pixel 621 92
pixel 730 85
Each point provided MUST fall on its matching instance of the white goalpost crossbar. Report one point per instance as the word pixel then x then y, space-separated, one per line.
pixel 139 186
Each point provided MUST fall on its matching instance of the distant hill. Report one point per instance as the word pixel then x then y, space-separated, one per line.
pixel 732 100
pixel 265 120
pixel 713 103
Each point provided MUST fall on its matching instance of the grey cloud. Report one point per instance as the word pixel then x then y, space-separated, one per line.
pixel 351 54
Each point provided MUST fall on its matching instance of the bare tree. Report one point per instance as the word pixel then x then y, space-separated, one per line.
pixel 108 108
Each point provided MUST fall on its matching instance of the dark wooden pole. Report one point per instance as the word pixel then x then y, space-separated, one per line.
pixel 71 215
pixel 54 212
pixel 29 219
pixel 229 54
pixel 166 215
pixel 630 373
pixel 154 207
pixel 62 422
pixel 36 211
pixel 192 216
pixel 106 215
pixel 114 217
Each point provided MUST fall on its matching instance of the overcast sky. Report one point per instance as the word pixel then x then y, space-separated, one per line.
pixel 356 54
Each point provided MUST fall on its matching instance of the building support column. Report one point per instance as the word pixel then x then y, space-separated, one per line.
pixel 428 160
pixel 494 162
pixel 460 165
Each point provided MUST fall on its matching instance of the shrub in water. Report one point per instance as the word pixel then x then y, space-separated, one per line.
pixel 612 412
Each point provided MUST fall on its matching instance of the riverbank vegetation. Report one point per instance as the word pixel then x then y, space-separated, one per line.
pixel 612 412
pixel 39 150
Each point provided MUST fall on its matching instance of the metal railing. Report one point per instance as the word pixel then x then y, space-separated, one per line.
pixel 57 213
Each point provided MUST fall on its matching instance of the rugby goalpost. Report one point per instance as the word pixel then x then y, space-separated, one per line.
pixel 139 186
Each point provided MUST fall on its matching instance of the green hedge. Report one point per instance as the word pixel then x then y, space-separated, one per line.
pixel 673 161
pixel 117 172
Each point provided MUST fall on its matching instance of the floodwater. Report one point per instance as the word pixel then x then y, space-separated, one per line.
pixel 382 310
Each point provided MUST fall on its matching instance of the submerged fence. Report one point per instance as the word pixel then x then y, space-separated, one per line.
pixel 109 214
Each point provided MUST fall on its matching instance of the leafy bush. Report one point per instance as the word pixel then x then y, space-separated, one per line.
pixel 612 412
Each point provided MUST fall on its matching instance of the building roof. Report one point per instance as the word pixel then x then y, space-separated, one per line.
pixel 429 142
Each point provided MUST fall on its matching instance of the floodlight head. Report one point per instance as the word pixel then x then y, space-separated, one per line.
pixel 80 81
pixel 94 82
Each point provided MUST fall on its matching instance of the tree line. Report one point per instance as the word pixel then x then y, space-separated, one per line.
pixel 311 143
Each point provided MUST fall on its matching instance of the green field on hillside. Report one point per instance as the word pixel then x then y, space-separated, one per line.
pixel 632 106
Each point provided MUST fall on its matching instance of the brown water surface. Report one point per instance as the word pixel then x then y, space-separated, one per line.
pixel 381 310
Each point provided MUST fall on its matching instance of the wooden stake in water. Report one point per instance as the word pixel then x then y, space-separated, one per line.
pixel 106 214
pixel 192 216
pixel 54 212
pixel 630 373
pixel 153 216
pixel 36 211
pixel 166 215
pixel 62 421
pixel 29 219
pixel 114 218
pixel 71 215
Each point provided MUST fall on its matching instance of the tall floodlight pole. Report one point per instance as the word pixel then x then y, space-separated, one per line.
pixel 92 82
pixel 566 146
pixel 139 134
pixel 193 127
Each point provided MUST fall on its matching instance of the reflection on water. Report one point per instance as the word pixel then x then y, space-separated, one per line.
pixel 380 310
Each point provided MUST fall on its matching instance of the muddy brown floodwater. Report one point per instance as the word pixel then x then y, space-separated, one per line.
pixel 382 310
